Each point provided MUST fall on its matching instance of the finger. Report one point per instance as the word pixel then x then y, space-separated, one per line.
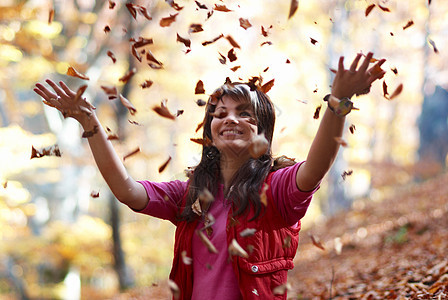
pixel 44 92
pixel 56 88
pixel 66 89
pixel 366 62
pixel 355 63
pixel 341 64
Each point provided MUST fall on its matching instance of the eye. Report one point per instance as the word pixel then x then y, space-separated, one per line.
pixel 219 114
pixel 245 114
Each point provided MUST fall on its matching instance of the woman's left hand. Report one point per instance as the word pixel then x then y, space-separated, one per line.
pixel 356 80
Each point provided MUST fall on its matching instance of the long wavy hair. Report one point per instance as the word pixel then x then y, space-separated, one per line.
pixel 245 186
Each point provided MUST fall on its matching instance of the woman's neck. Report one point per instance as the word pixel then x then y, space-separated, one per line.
pixel 229 166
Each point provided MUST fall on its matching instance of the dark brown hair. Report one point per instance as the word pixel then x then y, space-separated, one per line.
pixel 245 186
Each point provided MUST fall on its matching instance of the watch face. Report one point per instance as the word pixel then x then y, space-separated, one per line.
pixel 344 107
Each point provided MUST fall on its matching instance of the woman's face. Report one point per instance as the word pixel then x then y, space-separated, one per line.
pixel 233 127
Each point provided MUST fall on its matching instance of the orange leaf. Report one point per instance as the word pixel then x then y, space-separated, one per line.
pixel 267 86
pixel 163 166
pixel 316 242
pixel 199 89
pixel 125 78
pixel 236 249
pixel 293 8
pixel 369 9
pixel 167 21
pixel 112 56
pixel 195 28
pixel 232 55
pixel 128 105
pixel 383 8
pixel 221 8
pixel 50 16
pixel 163 111
pixel 385 93
pixel 184 41
pixel 245 23
pixel 72 72
pixel 146 84
pixel 203 142
pixel 232 42
pixel 397 91
pixel 110 91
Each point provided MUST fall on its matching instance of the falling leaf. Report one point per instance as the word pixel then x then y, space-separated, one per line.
pixel 5 184
pixel 313 41
pixel 267 86
pixel 317 112
pixel 369 9
pixel 111 4
pixel 194 28
pixel 128 105
pixel 236 249
pixel 205 196
pixel 282 289
pixel 163 166
pixel 199 89
pixel 135 53
pixel 110 135
pixel 245 23
pixel 265 32
pixel 134 9
pixel 207 142
pixel 94 194
pixel 232 55
pixel 222 59
pixel 106 29
pixel 72 72
pixel 134 122
pixel 409 24
pixel 112 56
pixel 163 111
pixel 90 133
pixel 211 248
pixel 346 173
pixel 174 289
pixel 263 196
pixel 137 150
pixel 174 5
pixel 397 91
pixel 48 151
pixel 352 128
pixel 385 93
pixel 383 8
pixel 232 41
pixel 196 207
pixel 153 62
pixel 266 43
pixel 338 245
pixel 248 232
pixel 125 78
pixel 341 141
pixel 185 259
pixel 431 42
pixel 50 16
pixel 222 8
pixel 258 146
pixel 316 242
pixel 146 84
pixel 200 5
pixel 293 8
pixel 110 91
pixel 213 40
pixel 80 92
pixel 287 241
pixel 200 102
pixel 288 61
pixel 235 68
pixel 167 21
pixel 141 42
pixel 395 70
pixel 184 41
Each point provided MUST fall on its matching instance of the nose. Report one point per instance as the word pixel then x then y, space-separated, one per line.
pixel 231 119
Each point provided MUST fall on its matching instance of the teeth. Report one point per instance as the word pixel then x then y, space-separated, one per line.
pixel 231 132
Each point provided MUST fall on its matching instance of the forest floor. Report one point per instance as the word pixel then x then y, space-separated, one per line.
pixel 396 248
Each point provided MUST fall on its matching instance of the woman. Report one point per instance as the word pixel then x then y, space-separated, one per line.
pixel 238 215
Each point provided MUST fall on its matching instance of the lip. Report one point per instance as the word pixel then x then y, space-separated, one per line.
pixel 230 132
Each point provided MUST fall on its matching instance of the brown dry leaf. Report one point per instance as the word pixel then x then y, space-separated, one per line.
pixel 80 92
pixel 94 194
pixel 213 40
pixel 313 41
pixel 317 112
pixel 72 72
pixel 163 166
pixel 341 141
pixel 207 142
pixel 385 93
pixel 433 44
pixel 111 4
pixel 111 92
pixel 134 9
pixel 222 59
pixel 163 110
pixel 174 289
pixel 282 289
pixel 200 102
pixel 265 32
pixel 258 146
pixel 146 84
pixel 205 196
pixel 184 41
pixel 128 105
pixel 200 5
pixel 152 61
pixel 266 43
pixel 211 248
pixel 133 152
pixel 394 70
pixel 106 29
pixel 125 78
pixel 185 259
pixel 112 56
pixel 369 9
pixel 248 232
pixel 174 5
pixel 267 86
pixel 141 42
pixel 48 151
pixel 235 68
pixel 232 55
pixel 236 249
pixel 199 89
pixel 5 184
pixel 167 21
pixel 316 242
pixel 263 196
pixel 352 128
pixel 110 135
pixel 397 91
pixel 232 41
pixel 293 8
pixel 196 207
pixel 135 53
pixel 408 24
pixel 90 133
pixel 50 16
pixel 245 23
pixel 219 7
pixel 383 8
pixel 346 173
pixel 195 27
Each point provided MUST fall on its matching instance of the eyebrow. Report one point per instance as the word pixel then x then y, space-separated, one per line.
pixel 242 106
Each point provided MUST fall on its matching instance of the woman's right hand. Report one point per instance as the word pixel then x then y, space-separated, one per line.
pixel 68 102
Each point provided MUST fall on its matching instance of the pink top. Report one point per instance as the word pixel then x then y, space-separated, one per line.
pixel 213 276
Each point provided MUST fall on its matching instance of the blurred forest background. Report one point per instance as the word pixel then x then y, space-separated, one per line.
pixel 64 236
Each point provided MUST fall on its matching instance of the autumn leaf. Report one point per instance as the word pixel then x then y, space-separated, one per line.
pixel 205 196
pixel 141 42
pixel 213 40
pixel 167 21
pixel 287 242
pixel 222 8
pixel 110 135
pixel 111 4
pixel 232 55
pixel 385 93
pixel 265 32
pixel 50 16
pixel 369 9
pixel 146 84
pixel 5 184
pixel 232 41
pixel 222 59
pixel 341 141
pixel 207 142
pixel 90 133
pixel 194 28
pixel 211 248
pixel 199 89
pixel 128 105
pixel 248 232
pixel 200 5
pixel 94 194
pixel 267 86
pixel 316 242
pixel 317 112
pixel 383 8
pixel 282 289
pixel 245 23
pixel 313 41
pixel 163 111
pixel 134 9
pixel 174 289
pixel 112 56
pixel 346 173
pixel 200 102
pixel 163 166
pixel 125 78
pixel 258 146
pixel 48 151
pixel 153 62
pixel 236 249
pixel 133 152
pixel 174 5
pixel 394 70
pixel 184 41
pixel 352 128
pixel 397 91
pixel 72 72
pixel 293 8
pixel 110 91
pixel 433 44
pixel 409 24
pixel 263 196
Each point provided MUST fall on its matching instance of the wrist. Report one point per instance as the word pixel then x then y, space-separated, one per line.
pixel 339 106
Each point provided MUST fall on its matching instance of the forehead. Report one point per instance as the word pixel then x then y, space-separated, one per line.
pixel 228 102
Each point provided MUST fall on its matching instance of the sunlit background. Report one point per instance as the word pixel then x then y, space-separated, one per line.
pixel 56 236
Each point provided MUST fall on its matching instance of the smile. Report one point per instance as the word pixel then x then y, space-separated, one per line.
pixel 231 132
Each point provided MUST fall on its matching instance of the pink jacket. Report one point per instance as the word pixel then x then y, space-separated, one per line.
pixel 271 251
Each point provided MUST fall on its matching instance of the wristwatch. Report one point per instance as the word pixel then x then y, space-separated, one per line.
pixel 343 106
